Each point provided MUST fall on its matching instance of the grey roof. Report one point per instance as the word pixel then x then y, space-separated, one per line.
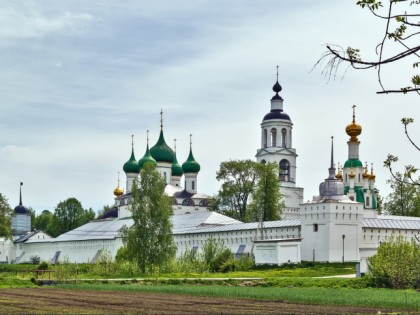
pixel 237 227
pixel 110 228
pixel 392 222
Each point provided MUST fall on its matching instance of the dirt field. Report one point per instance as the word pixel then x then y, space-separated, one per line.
pixel 62 301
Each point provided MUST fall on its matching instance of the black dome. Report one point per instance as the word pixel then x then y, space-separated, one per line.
pixel 21 209
pixel 276 114
pixel 111 213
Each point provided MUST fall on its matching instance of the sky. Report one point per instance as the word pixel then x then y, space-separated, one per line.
pixel 78 78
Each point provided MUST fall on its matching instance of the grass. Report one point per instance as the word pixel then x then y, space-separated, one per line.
pixel 13 282
pixel 382 298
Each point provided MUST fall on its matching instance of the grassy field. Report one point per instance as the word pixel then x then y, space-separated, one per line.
pixel 383 298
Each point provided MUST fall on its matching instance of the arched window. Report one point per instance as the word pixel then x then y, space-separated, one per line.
pixel 367 202
pixel 265 138
pixel 273 137
pixel 203 203
pixel 284 170
pixel 263 161
pixel 283 137
pixel 188 202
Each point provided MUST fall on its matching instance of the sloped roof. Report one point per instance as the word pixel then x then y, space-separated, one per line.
pixel 392 222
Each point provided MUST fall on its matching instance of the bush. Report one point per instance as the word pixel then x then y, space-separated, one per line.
pixel 43 266
pixel 396 264
pixel 218 263
pixel 35 260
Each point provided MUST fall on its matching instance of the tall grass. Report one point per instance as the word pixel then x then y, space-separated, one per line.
pixel 380 298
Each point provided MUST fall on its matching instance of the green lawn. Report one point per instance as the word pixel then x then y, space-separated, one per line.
pixel 383 298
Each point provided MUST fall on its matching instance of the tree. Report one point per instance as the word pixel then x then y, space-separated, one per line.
pixel 404 199
pixel 400 39
pixel 396 264
pixel 43 222
pixel 149 241
pixel 5 218
pixel 410 171
pixel 68 215
pixel 239 178
pixel 266 202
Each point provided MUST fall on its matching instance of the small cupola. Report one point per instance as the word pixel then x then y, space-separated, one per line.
pixel 131 166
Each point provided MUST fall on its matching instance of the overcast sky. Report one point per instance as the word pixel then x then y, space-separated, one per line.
pixel 78 78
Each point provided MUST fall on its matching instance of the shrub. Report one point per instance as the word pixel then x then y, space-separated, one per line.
pixel 396 264
pixel 218 263
pixel 43 266
pixel 35 260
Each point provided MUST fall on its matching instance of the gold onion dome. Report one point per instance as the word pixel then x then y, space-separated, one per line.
pixel 353 129
pixel 372 176
pixel 118 191
pixel 352 175
pixel 339 174
pixel 365 173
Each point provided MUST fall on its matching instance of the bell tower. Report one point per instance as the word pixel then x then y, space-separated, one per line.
pixel 276 146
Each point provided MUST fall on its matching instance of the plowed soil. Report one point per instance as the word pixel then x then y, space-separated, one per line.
pixel 64 301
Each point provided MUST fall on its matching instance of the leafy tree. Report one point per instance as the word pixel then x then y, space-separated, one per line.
pixel 5 218
pixel 400 41
pixel 408 177
pixel 149 241
pixel 239 178
pixel 396 264
pixel 43 222
pixel 33 216
pixel 266 199
pixel 102 211
pixel 68 215
pixel 404 199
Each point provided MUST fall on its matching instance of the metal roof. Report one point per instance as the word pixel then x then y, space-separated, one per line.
pixel 237 227
pixel 392 222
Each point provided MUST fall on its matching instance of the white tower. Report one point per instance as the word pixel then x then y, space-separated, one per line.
pixel 276 146
pixel 331 225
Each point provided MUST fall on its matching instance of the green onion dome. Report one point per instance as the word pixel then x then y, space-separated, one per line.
pixel 131 166
pixel 176 168
pixel 161 152
pixel 191 165
pixel 353 163
pixel 147 158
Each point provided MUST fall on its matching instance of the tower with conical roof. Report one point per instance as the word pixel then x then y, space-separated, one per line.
pixel 331 224
pixel 131 168
pixel 276 146
pixel 191 168
pixel 176 170
pixel 21 218
pixel 163 155
pixel 358 183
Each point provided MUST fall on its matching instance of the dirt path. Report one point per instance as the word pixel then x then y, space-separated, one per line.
pixel 63 301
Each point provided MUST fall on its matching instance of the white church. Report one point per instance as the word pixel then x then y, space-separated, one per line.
pixel 341 224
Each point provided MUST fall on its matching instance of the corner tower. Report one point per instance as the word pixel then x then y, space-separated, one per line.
pixel 276 146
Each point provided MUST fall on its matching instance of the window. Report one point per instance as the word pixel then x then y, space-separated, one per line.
pixel 192 185
pixel 367 202
pixel 263 162
pixel 284 170
pixel 265 138
pixel 315 227
pixel 273 137
pixel 283 137
pixel 188 202
pixel 203 203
